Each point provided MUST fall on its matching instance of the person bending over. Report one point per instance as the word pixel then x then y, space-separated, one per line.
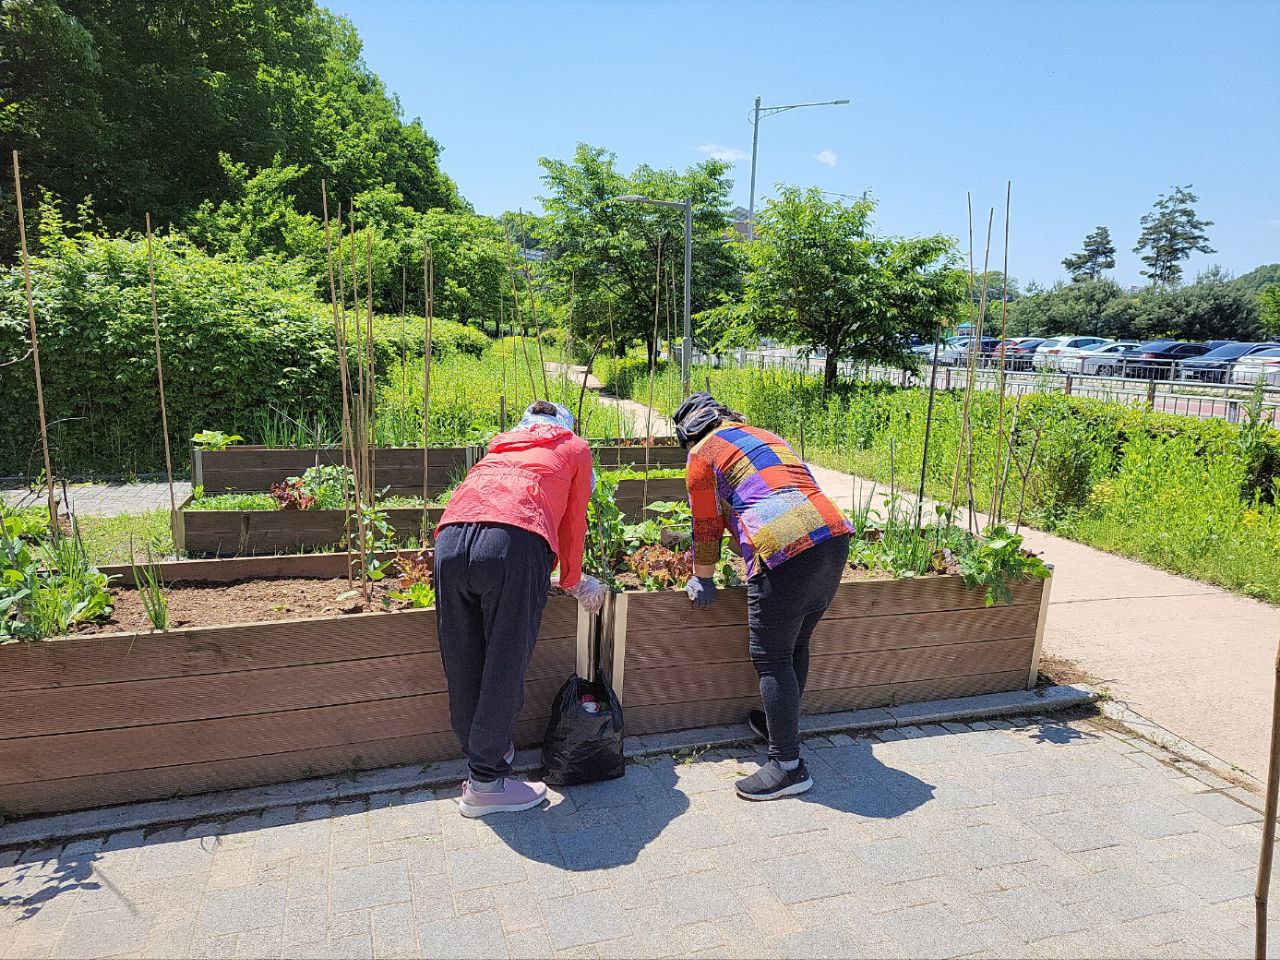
pixel 519 511
pixel 795 543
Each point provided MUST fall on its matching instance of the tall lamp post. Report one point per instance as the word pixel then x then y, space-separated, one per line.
pixel 755 142
pixel 686 350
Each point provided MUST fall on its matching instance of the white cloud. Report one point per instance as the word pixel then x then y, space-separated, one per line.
pixel 718 152
pixel 826 156
pixel 1274 222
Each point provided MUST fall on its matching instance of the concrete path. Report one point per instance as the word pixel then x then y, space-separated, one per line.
pixel 1194 658
pixel 1041 839
pixel 104 499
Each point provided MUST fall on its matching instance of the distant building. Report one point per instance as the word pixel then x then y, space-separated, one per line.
pixel 740 217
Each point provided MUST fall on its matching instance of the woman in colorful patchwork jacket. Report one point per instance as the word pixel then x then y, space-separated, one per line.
pixel 795 543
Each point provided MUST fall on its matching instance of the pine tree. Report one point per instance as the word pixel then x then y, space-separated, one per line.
pixel 1099 254
pixel 1171 232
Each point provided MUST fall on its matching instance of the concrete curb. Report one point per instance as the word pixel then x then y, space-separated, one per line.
pixel 209 806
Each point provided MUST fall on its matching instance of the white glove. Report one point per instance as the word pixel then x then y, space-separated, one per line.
pixel 589 592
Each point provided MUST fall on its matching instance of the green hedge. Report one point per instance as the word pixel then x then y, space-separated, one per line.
pixel 236 338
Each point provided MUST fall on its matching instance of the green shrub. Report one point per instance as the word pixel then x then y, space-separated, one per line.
pixel 235 337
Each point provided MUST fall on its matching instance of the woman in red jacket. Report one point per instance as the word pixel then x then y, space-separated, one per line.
pixel 519 512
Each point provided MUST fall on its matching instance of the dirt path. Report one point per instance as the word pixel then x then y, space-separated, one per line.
pixel 1193 658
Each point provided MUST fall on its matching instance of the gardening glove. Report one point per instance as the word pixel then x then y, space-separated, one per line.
pixel 589 592
pixel 701 590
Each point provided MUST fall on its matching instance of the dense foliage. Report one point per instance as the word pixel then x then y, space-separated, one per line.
pixel 819 277
pixel 1194 496
pixel 134 103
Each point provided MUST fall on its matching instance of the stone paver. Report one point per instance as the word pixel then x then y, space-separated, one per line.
pixel 105 499
pixel 1032 839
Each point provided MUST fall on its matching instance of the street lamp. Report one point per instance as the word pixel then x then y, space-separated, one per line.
pixel 755 141
pixel 686 350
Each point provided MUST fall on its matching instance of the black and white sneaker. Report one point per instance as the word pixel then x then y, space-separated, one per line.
pixel 771 782
pixel 758 724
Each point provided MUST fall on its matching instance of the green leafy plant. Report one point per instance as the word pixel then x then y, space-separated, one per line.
pixel 995 560
pixel 215 440
pixel 150 586
pixel 415 581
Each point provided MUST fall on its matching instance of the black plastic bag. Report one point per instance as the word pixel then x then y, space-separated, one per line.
pixel 582 746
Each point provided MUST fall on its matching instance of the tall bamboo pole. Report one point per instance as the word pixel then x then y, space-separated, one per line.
pixel 155 331
pixel 404 357
pixel 974 354
pixel 517 324
pixel 996 486
pixel 429 286
pixel 370 348
pixel 339 335
pixel 533 310
pixel 35 352
pixel 955 476
pixel 1263 888
pixel 648 447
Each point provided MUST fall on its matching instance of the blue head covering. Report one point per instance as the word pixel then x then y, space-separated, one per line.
pixel 562 417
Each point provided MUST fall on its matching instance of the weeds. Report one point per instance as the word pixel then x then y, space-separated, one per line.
pixel 150 587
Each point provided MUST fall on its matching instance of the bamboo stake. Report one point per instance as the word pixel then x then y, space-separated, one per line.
pixel 582 394
pixel 339 336
pixel 515 306
pixel 402 433
pixel 613 336
pixel 955 476
pixel 974 353
pixel 373 366
pixel 155 331
pixel 35 352
pixel 648 447
pixel 1263 889
pixel 996 486
pixel 533 310
pixel 428 303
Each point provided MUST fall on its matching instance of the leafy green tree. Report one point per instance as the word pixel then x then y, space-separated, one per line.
pixel 1171 232
pixel 819 277
pixel 134 103
pixel 1269 310
pixel 1099 254
pixel 1259 278
pixel 1078 307
pixel 608 251
pixel 1211 308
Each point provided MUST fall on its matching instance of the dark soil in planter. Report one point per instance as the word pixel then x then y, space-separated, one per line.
pixel 247 601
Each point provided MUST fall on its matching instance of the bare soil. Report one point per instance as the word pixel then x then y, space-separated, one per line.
pixel 247 601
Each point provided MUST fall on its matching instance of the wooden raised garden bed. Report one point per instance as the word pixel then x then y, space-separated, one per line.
pixel 109 718
pixel 882 642
pixel 244 532
pixel 665 453
pixel 249 469
pixel 632 496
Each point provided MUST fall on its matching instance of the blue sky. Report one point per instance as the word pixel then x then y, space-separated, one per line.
pixel 1092 109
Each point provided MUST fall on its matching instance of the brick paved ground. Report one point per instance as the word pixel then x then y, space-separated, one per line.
pixel 106 499
pixel 1040 840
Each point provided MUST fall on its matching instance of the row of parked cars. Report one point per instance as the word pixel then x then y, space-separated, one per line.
pixel 1216 361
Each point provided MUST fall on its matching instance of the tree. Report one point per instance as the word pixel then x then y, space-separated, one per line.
pixel 1269 310
pixel 607 251
pixel 819 277
pixel 135 102
pixel 1171 232
pixel 1099 254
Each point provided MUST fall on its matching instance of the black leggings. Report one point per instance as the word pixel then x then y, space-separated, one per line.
pixel 491 586
pixel 783 607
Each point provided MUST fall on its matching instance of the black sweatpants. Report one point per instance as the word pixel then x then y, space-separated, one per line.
pixel 783 607
pixel 491 588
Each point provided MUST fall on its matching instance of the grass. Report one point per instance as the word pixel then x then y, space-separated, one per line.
pixel 107 539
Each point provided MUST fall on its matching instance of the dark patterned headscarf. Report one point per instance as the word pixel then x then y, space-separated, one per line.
pixel 699 415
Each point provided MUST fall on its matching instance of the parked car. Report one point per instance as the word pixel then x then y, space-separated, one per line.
pixel 1019 351
pixel 1263 365
pixel 1215 366
pixel 1156 359
pixel 1103 361
pixel 959 351
pixel 1051 351
pixel 926 349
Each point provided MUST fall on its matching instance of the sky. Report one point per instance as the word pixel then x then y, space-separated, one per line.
pixel 1091 109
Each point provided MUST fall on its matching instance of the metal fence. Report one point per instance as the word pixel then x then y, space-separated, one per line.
pixel 1165 387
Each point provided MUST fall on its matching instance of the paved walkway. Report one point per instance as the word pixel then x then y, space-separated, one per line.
pixel 104 499
pixel 1046 839
pixel 1193 658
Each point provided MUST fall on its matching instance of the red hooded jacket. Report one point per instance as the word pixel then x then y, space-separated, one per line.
pixel 538 479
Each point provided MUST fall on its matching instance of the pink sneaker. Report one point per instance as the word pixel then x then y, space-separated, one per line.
pixel 514 796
